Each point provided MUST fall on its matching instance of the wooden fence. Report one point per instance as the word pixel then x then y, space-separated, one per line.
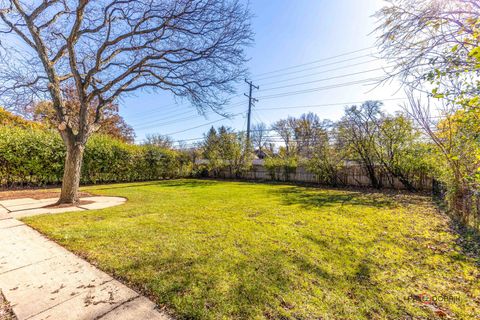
pixel 350 175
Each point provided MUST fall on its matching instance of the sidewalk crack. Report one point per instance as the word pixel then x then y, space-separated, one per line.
pixel 18 225
pixel 2 206
pixel 27 265
pixel 116 307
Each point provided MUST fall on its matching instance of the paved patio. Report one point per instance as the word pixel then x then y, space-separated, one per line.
pixel 43 280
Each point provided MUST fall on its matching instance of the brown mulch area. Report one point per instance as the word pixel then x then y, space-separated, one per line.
pixel 34 194
pixel 6 312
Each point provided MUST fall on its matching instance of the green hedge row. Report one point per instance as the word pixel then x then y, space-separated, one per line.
pixel 35 157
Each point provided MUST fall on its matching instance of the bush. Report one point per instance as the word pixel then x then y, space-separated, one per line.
pixel 281 167
pixel 35 157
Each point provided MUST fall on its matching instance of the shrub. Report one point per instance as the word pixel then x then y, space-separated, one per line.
pixel 35 157
pixel 279 167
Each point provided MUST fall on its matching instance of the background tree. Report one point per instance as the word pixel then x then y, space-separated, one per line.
pixel 327 157
pixel 234 151
pixel 211 151
pixel 115 126
pixel 105 49
pixel 227 145
pixel 110 122
pixel 159 140
pixel 284 129
pixel 358 130
pixel 309 132
pixel 226 150
pixel 259 136
pixel 398 150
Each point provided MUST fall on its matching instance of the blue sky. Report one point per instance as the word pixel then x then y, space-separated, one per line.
pixel 287 34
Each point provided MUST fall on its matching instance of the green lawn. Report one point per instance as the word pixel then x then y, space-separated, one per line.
pixel 231 250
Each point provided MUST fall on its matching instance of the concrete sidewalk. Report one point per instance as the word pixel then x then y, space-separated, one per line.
pixel 43 280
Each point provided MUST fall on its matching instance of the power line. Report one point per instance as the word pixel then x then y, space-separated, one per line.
pixel 340 85
pixel 166 118
pixel 279 73
pixel 317 67
pixel 202 125
pixel 173 121
pixel 321 72
pixel 173 113
pixel 327 104
pixel 256 116
pixel 315 61
pixel 142 114
pixel 323 79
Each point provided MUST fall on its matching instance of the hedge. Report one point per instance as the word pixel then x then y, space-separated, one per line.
pixel 35 157
pixel 280 167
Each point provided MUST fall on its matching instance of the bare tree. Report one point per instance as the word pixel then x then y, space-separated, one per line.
pixel 435 48
pixel 432 44
pixel 456 138
pixel 395 146
pixel 259 136
pixel 357 131
pixel 108 48
pixel 159 140
pixel 284 130
pixel 309 132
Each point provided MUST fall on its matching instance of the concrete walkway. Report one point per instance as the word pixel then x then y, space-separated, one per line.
pixel 43 280
pixel 24 207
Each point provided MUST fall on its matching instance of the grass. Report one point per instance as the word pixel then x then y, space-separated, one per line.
pixel 231 250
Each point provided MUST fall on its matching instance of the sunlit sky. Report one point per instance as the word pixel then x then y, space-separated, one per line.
pixel 299 45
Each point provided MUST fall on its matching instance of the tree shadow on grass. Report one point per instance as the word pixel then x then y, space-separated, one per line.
pixel 468 241
pixel 199 287
pixel 260 282
pixel 353 286
pixel 254 285
pixel 468 237
pixel 311 198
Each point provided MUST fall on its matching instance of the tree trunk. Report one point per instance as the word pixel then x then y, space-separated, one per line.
pixel 397 173
pixel 71 174
pixel 373 176
pixel 462 203
pixel 406 183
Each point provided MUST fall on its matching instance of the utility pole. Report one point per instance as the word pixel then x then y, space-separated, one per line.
pixel 251 101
